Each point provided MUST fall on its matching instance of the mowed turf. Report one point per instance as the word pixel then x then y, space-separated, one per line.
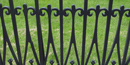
pixel 67 27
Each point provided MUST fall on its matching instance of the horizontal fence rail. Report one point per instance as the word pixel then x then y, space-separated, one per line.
pixel 43 56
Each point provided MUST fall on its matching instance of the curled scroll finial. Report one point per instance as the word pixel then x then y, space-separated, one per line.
pixel 113 12
pixel 57 11
pixel 40 11
pixel 16 10
pixel 121 11
pixel 126 10
pixel 34 10
pixel 105 13
pixel 66 9
pixel 127 14
pixel 81 11
pixel 8 10
pixel 91 9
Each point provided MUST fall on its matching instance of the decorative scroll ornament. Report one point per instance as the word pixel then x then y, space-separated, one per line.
pixel 8 10
pixel 16 10
pixel 42 60
pixel 73 11
pixel 97 10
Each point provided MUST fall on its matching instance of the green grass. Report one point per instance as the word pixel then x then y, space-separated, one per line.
pixel 67 22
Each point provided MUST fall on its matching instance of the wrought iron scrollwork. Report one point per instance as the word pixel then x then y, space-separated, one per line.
pixel 28 36
pixel 113 14
pixel 50 36
pixel 121 11
pixel 91 9
pixel 8 10
pixel 97 10
pixel 34 10
pixel 73 11
pixel 127 14
pixel 105 11
pixel 48 10
pixel 40 11
pixel 66 9
pixel 57 11
pixel 16 10
pixel 29 8
pixel 110 12
pixel 81 13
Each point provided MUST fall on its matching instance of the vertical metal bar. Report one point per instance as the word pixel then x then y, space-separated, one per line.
pixel 126 46
pixel 72 41
pixel 40 40
pixel 50 36
pixel 116 41
pixel 15 31
pixel 26 45
pixel 61 30
pixel 84 31
pixel 107 31
pixel 1 12
pixel 6 38
pixel 94 40
pixel 28 37
pixel 50 30
pixel 1 62
pixel 128 61
pixel 118 36
pixel 4 52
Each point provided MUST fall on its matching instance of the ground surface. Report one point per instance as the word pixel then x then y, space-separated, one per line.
pixel 67 22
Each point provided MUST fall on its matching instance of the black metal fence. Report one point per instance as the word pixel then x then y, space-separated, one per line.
pixel 62 12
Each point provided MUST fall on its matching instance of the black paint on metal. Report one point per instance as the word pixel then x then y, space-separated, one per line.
pixel 42 60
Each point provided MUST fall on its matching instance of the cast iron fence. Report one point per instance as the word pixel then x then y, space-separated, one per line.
pixel 62 12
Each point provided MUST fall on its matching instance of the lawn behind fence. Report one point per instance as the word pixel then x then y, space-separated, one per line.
pixel 67 23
